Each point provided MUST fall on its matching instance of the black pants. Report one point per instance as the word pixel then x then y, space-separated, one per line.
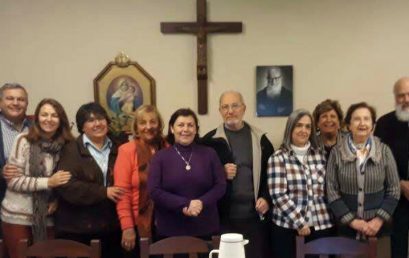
pixel 256 231
pixel 400 228
pixel 110 241
pixel 283 240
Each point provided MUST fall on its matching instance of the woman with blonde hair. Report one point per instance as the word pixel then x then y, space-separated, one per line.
pixel 135 208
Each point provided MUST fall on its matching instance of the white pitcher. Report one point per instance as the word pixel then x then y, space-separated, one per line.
pixel 231 246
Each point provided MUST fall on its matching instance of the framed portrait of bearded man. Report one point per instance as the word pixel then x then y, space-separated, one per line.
pixel 274 90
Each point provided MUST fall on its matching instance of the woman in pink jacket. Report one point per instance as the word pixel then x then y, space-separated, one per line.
pixel 135 208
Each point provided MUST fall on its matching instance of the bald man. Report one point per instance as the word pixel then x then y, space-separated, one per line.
pixel 243 150
pixel 393 129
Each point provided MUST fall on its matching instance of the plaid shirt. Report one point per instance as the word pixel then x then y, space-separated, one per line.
pixel 297 190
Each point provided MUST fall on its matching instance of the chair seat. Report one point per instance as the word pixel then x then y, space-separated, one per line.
pixel 336 246
pixel 177 245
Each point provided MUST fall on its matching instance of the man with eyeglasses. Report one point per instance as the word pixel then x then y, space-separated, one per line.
pixel 274 98
pixel 244 151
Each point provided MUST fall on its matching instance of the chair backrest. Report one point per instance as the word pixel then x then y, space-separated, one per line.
pixel 336 246
pixel 177 245
pixel 59 248
pixel 1 249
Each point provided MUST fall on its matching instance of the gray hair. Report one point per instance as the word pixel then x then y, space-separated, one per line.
pixel 11 86
pixel 292 120
pixel 231 92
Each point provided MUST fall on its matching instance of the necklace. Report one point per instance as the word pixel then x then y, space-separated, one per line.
pixel 188 167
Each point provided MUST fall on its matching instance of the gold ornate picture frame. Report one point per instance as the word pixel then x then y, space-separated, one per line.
pixel 121 87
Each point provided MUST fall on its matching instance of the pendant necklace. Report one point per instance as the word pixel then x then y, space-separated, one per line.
pixel 187 167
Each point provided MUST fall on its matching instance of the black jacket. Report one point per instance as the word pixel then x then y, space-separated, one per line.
pixel 218 141
pixel 395 134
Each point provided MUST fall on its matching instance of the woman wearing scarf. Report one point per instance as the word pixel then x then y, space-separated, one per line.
pixel 28 202
pixel 362 179
pixel 135 208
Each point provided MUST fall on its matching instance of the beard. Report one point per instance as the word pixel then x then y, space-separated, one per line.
pixel 402 113
pixel 274 90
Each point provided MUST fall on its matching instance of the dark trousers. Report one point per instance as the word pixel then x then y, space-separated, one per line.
pixel 110 241
pixel 400 228
pixel 283 240
pixel 256 231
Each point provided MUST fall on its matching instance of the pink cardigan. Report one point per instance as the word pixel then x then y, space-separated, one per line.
pixel 126 175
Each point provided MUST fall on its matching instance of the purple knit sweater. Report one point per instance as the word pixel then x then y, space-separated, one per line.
pixel 172 187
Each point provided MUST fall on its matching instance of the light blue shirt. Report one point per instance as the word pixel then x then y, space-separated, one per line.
pixel 9 133
pixel 101 156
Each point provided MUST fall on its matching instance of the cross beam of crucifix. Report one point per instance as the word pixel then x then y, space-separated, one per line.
pixel 201 28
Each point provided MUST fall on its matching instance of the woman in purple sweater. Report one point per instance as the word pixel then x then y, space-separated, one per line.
pixel 185 182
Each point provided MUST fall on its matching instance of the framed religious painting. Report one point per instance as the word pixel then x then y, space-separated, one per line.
pixel 274 90
pixel 121 87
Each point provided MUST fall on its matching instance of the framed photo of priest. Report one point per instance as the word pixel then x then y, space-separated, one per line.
pixel 274 90
pixel 121 87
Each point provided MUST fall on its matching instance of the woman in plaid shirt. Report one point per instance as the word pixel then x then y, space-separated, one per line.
pixel 296 177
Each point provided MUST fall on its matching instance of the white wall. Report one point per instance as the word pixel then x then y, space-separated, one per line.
pixel 346 50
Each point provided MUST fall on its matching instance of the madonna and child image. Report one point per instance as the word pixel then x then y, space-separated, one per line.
pixel 124 95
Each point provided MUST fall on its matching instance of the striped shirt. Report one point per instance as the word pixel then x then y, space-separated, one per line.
pixel 101 156
pixel 377 183
pixel 9 133
pixel 297 189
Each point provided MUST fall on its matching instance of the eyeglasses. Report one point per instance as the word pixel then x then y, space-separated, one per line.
pixel 234 107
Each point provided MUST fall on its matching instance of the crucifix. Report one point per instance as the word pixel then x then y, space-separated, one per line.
pixel 201 28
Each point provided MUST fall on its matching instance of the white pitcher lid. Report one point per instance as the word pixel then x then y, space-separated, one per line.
pixel 231 238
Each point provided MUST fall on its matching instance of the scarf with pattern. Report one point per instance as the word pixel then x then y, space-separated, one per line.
pixel 38 153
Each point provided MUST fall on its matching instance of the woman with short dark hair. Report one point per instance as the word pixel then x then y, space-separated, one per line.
pixel 86 208
pixel 362 179
pixel 328 118
pixel 185 182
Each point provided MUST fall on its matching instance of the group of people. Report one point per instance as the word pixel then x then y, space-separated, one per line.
pixel 329 176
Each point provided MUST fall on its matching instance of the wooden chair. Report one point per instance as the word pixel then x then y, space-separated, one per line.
pixel 1 249
pixel 59 248
pixel 177 245
pixel 341 246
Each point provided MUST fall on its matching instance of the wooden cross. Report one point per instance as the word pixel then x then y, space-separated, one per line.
pixel 201 28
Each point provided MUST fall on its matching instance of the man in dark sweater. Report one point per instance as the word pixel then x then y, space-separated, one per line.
pixel 393 130
pixel 244 151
